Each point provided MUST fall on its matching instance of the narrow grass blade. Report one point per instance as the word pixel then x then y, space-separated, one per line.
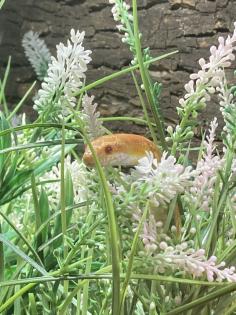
pixel 21 236
pixel 3 83
pixel 144 77
pixel 20 253
pixel 203 300
pixel 35 126
pixel 131 257
pixel 38 145
pixel 2 264
pixel 112 225
pixel 18 106
pixel 144 109
pixel 122 72
pixel 1 3
pixel 33 307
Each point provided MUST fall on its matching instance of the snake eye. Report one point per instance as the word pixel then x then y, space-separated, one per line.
pixel 108 149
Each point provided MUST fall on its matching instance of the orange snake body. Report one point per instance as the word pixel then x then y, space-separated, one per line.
pixel 120 149
pixel 123 149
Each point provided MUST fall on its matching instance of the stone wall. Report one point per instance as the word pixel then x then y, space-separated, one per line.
pixel 191 26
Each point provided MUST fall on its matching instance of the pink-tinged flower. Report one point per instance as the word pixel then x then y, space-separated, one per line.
pixel 65 76
pixel 194 262
pixel 203 83
pixel 163 180
pixel 227 106
pixel 207 168
pixel 90 117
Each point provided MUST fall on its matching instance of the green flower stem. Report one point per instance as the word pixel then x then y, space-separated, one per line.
pixel 63 202
pixel 37 215
pixel 131 258
pixel 1 3
pixel 35 125
pixel 120 73
pixel 2 264
pixel 29 286
pixel 183 125
pixel 123 118
pixel 220 200
pixel 144 109
pixel 21 236
pixel 231 309
pixel 77 245
pixel 3 85
pixel 86 285
pixel 18 106
pixel 145 80
pixel 108 276
pixel 114 237
pixel 203 300
pixel 78 287
pixel 113 233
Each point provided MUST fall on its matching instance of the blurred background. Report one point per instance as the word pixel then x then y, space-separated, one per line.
pixel 191 26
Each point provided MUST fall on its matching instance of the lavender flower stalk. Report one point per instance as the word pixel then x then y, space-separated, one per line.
pixel 163 180
pixel 120 12
pixel 227 107
pixel 65 76
pixel 201 86
pixel 90 117
pixel 202 190
pixel 193 262
pixel 37 53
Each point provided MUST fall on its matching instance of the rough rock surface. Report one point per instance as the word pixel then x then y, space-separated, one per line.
pixel 191 26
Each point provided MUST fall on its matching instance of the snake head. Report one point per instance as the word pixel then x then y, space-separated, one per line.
pixel 119 150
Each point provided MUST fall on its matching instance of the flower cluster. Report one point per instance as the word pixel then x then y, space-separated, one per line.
pixel 64 77
pixel 207 167
pixel 37 53
pixel 120 11
pixel 163 180
pixel 90 117
pixel 193 262
pixel 79 178
pixel 149 233
pixel 202 85
pixel 227 107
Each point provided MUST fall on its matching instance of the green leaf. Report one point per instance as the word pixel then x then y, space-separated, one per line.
pixel 20 253
pixel 120 73
pixel 53 159
pixel 5 142
pixel 4 82
pixel 2 264
pixel 33 307
pixel 16 183
pixel 1 3
pixel 44 213
pixel 69 195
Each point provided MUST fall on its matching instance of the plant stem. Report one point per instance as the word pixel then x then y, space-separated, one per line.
pixel 1 259
pixel 120 73
pixel 145 80
pixel 63 202
pixel 144 109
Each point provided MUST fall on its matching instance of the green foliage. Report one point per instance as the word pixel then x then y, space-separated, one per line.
pixel 85 241
pixel 1 3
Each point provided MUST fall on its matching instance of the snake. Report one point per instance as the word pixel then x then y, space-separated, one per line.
pixel 120 149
